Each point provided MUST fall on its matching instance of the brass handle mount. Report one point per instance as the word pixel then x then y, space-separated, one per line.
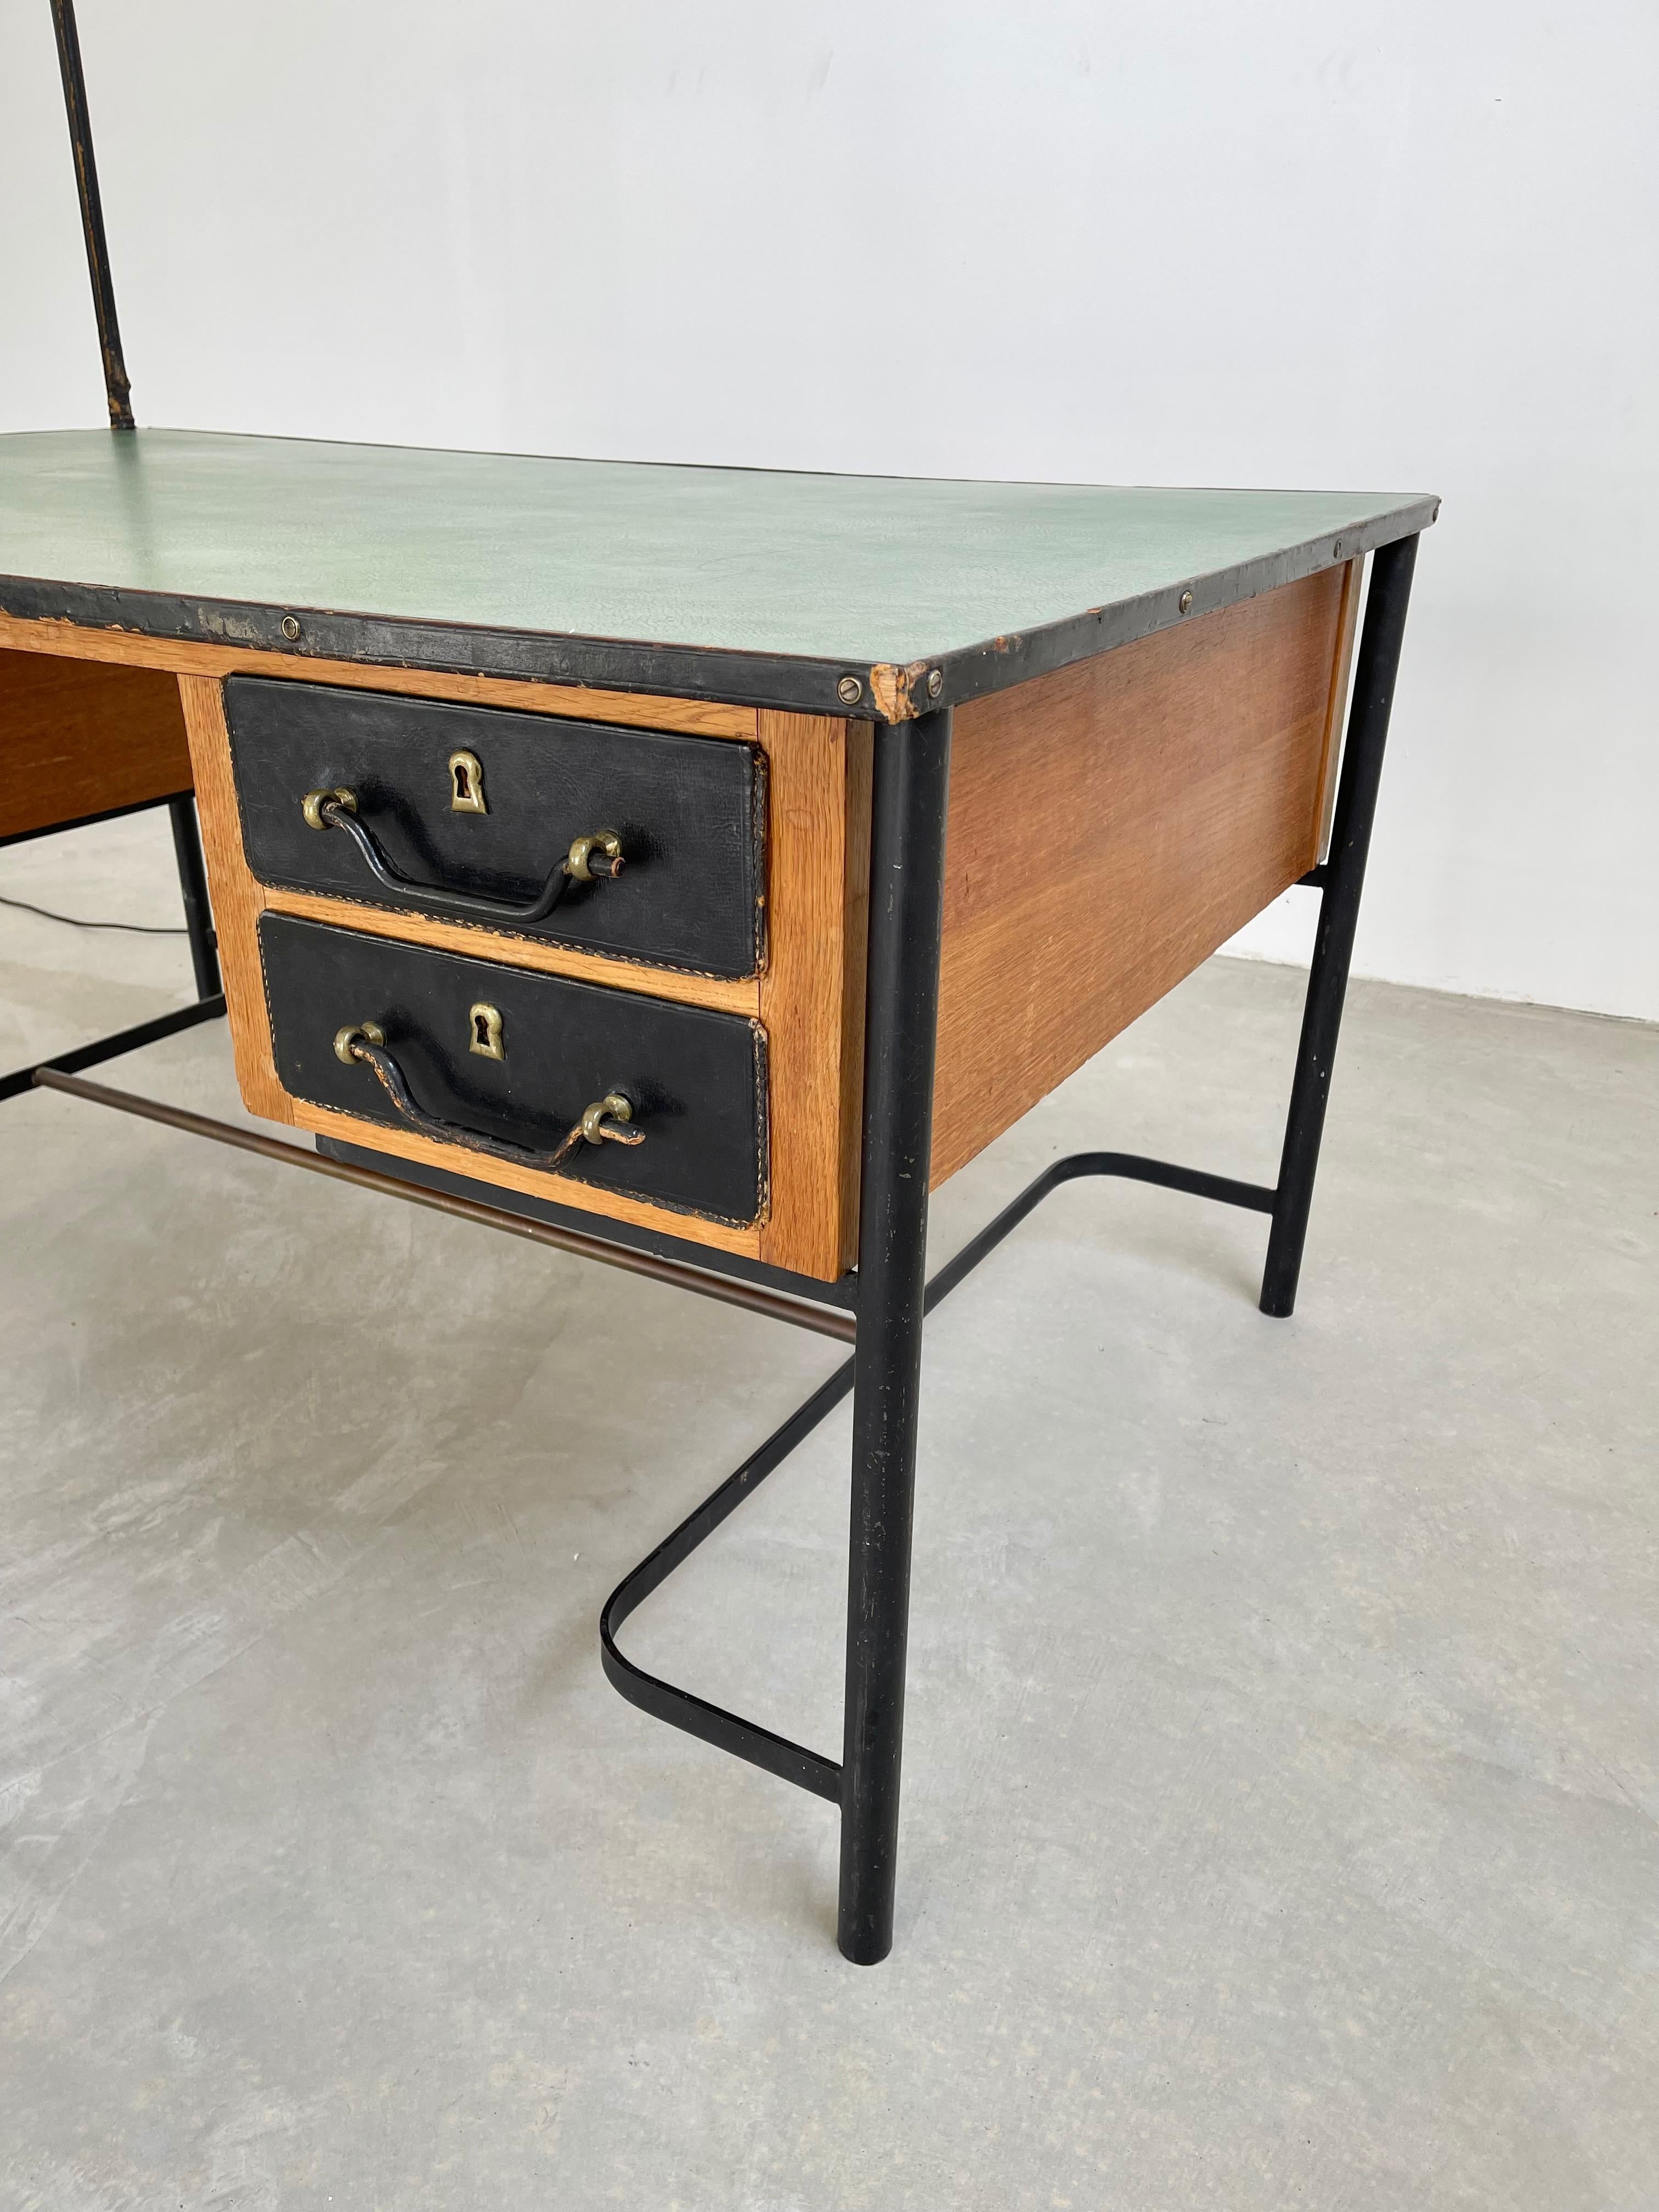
pixel 590 858
pixel 601 1122
pixel 313 804
pixel 346 1041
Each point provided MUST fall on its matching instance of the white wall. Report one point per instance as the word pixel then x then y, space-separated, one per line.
pixel 1300 242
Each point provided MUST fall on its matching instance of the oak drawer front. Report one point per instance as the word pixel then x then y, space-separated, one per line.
pixel 688 813
pixel 694 1080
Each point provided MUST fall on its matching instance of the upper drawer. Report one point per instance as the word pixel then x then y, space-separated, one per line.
pixel 471 811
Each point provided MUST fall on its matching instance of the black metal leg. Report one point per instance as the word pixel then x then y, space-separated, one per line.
pixel 194 889
pixel 907 882
pixel 210 1002
pixel 1340 883
pixel 906 890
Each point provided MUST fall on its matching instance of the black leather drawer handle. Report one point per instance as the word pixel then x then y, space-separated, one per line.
pixel 365 1043
pixel 589 858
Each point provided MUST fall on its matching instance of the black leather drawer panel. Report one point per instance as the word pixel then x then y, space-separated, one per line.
pixel 695 1079
pixel 690 813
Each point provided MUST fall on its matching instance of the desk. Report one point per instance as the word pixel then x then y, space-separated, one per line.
pixel 693 868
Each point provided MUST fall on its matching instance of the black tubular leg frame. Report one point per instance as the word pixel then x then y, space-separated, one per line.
pixel 203 955
pixel 1339 882
pixel 907 878
pixel 193 892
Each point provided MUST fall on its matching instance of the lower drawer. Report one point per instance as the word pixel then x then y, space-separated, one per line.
pixel 504 1062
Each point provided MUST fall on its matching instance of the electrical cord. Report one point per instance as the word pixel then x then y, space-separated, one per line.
pixel 77 921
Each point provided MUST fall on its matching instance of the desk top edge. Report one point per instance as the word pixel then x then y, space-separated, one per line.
pixel 1097 566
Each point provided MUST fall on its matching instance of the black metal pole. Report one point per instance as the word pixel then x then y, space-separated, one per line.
pixel 907 892
pixel 116 390
pixel 1339 912
pixel 193 890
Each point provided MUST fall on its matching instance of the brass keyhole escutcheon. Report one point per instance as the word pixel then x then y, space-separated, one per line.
pixel 466 787
pixel 484 1032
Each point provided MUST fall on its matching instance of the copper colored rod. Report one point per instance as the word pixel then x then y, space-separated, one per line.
pixel 754 1297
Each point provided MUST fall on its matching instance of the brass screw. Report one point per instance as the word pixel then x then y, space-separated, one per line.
pixel 290 626
pixel 1186 603
pixel 935 681
pixel 849 691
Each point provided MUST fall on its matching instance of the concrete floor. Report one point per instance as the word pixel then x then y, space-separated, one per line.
pixel 1283 1779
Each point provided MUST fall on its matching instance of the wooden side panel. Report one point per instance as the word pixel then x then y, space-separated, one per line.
pixel 80 738
pixel 817 781
pixel 861 772
pixel 738 996
pixel 238 899
pixel 1111 825
pixel 701 718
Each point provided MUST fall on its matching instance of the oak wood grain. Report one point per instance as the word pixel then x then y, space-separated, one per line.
pixel 1110 826
pixel 80 738
pixel 811 768
pixel 237 899
pixel 738 996
pixel 855 935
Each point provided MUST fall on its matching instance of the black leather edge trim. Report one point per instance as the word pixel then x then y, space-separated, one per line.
pixel 763 1124
pixel 760 790
pixel 996 664
pixel 796 684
